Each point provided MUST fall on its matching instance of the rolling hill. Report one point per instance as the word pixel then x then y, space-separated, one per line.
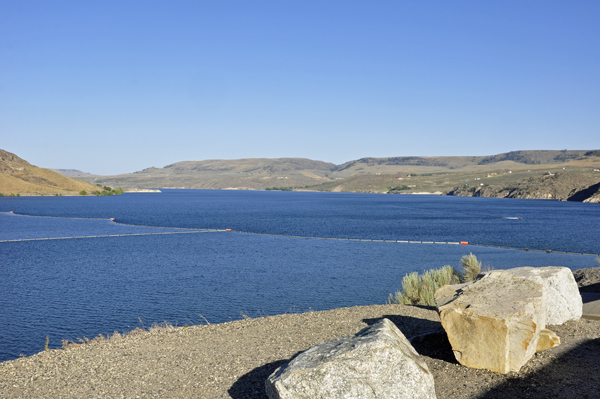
pixel 20 177
pixel 254 174
pixel 563 175
pixel 513 174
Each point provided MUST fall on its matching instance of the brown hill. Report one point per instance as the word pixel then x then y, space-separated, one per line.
pixel 20 177
pixel 492 175
pixel 255 173
pixel 509 160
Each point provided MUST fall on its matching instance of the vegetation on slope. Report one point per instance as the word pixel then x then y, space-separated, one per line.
pixel 19 176
pixel 562 175
pixel 255 174
pixel 577 180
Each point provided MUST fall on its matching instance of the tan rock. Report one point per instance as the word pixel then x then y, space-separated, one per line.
pixel 548 339
pixel 493 323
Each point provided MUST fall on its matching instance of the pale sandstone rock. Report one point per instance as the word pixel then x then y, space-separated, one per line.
pixel 378 362
pixel 548 339
pixel 493 323
pixel 563 299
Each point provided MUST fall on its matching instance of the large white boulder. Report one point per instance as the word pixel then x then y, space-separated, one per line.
pixel 378 362
pixel 493 323
pixel 563 298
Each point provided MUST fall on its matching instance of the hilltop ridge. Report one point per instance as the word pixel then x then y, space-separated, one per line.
pixel 251 173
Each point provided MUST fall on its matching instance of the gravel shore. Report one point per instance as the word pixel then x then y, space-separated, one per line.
pixel 232 360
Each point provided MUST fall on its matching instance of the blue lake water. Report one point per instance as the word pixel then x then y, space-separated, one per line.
pixel 71 288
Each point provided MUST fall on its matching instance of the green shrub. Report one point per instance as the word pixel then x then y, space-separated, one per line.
pixel 471 267
pixel 117 191
pixel 82 192
pixel 420 289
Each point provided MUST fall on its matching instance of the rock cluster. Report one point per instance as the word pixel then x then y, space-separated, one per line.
pixel 499 321
pixel 495 322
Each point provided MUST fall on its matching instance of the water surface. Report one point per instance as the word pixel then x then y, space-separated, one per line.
pixel 71 288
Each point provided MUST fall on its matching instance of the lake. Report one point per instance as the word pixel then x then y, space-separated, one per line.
pixel 186 268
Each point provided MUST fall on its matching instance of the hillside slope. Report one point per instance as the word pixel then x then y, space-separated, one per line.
pixel 20 177
pixel 561 175
pixel 256 173
pixel 516 174
pixel 509 160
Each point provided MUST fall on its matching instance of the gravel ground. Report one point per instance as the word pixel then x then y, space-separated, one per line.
pixel 232 360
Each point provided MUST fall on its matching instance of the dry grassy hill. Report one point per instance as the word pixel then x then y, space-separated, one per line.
pixel 20 177
pixel 574 180
pixel 509 160
pixel 516 174
pixel 256 174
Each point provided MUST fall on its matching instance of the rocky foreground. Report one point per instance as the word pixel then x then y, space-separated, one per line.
pixel 233 360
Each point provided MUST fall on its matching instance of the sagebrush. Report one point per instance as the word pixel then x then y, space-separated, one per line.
pixel 471 267
pixel 419 289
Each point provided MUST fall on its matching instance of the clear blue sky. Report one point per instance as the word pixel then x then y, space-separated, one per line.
pixel 117 86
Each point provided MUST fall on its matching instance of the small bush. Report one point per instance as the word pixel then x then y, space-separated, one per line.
pixel 82 192
pixel 420 289
pixel 471 267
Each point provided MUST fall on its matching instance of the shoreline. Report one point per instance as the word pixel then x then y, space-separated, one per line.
pixel 233 359
pixel 590 200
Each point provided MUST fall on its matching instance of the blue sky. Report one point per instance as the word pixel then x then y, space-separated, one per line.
pixel 117 86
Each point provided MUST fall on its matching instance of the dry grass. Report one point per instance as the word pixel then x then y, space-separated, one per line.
pixel 471 267
pixel 41 181
pixel 66 344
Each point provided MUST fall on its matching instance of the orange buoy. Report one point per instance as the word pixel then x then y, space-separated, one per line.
pixel 464 243
pixel 113 219
pixel 11 212
pixel 548 250
pixel 227 229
